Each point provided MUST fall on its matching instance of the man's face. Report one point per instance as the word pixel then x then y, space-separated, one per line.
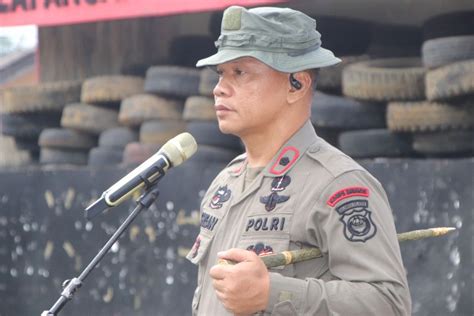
pixel 249 97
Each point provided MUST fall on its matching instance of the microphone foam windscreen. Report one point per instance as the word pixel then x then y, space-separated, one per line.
pixel 180 148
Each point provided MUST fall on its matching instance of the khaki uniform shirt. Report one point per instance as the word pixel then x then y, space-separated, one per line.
pixel 309 195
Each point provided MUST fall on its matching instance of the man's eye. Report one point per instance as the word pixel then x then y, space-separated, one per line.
pixel 239 72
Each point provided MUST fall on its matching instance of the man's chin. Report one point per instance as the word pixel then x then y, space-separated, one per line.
pixel 226 129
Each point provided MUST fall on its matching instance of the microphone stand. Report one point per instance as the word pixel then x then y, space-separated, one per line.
pixel 70 286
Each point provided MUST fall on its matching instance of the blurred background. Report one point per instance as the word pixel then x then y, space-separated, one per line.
pixel 90 89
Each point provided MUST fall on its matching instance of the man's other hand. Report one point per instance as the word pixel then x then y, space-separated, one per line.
pixel 242 288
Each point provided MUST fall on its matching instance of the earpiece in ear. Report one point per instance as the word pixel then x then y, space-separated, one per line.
pixel 295 83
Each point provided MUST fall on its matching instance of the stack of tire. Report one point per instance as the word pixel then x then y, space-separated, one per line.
pixel 200 115
pixel 442 124
pixel 177 99
pixel 381 81
pixel 155 114
pixel 428 100
pixel 84 120
pixel 28 110
pixel 332 112
pixel 105 95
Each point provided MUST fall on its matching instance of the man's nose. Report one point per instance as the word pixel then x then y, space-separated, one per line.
pixel 221 88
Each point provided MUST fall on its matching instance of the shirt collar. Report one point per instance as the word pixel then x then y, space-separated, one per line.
pixel 285 158
pixel 238 165
pixel 291 151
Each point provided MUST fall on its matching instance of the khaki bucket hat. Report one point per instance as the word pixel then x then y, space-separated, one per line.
pixel 282 38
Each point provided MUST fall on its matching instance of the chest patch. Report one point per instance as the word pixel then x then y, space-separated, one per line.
pixel 347 193
pixel 221 196
pixel 357 219
pixel 278 184
pixel 260 249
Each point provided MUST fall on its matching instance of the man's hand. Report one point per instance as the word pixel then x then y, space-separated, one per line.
pixel 243 288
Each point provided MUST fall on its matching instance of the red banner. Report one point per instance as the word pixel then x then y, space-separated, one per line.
pixel 54 12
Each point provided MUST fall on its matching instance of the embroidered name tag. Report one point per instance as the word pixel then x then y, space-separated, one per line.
pixel 265 224
pixel 208 221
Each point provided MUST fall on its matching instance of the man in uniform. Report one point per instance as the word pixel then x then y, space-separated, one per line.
pixel 290 189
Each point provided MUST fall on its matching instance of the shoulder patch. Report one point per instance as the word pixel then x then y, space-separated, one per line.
pixel 345 193
pixel 357 220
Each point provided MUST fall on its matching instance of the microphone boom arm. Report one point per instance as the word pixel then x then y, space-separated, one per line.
pixel 71 286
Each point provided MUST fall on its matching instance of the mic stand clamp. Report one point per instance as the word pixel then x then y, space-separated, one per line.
pixel 70 286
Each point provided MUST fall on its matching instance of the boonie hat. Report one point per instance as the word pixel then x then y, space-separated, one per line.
pixel 283 38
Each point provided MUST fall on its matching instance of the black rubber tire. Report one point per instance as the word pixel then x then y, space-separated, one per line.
pixel 207 153
pixel 89 118
pixel 145 107
pixel 444 144
pixel 136 153
pixel 375 143
pixel 330 78
pixel 449 24
pixel 110 88
pixel 62 156
pixel 172 81
pixel 28 144
pixel 199 108
pixel 135 69
pixel 331 135
pixel 329 111
pixel 100 156
pixel 429 116
pixel 117 137
pixel 186 50
pixel 446 50
pixel 159 132
pixel 66 138
pixel 394 41
pixel 451 81
pixel 208 133
pixel 207 82
pixel 28 125
pixel 347 36
pixel 51 96
pixel 396 79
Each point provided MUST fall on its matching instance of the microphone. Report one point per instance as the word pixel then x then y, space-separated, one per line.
pixel 172 154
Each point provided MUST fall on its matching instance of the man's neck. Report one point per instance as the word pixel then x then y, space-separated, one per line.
pixel 262 147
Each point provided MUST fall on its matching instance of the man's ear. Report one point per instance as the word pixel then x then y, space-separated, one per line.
pixel 299 84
